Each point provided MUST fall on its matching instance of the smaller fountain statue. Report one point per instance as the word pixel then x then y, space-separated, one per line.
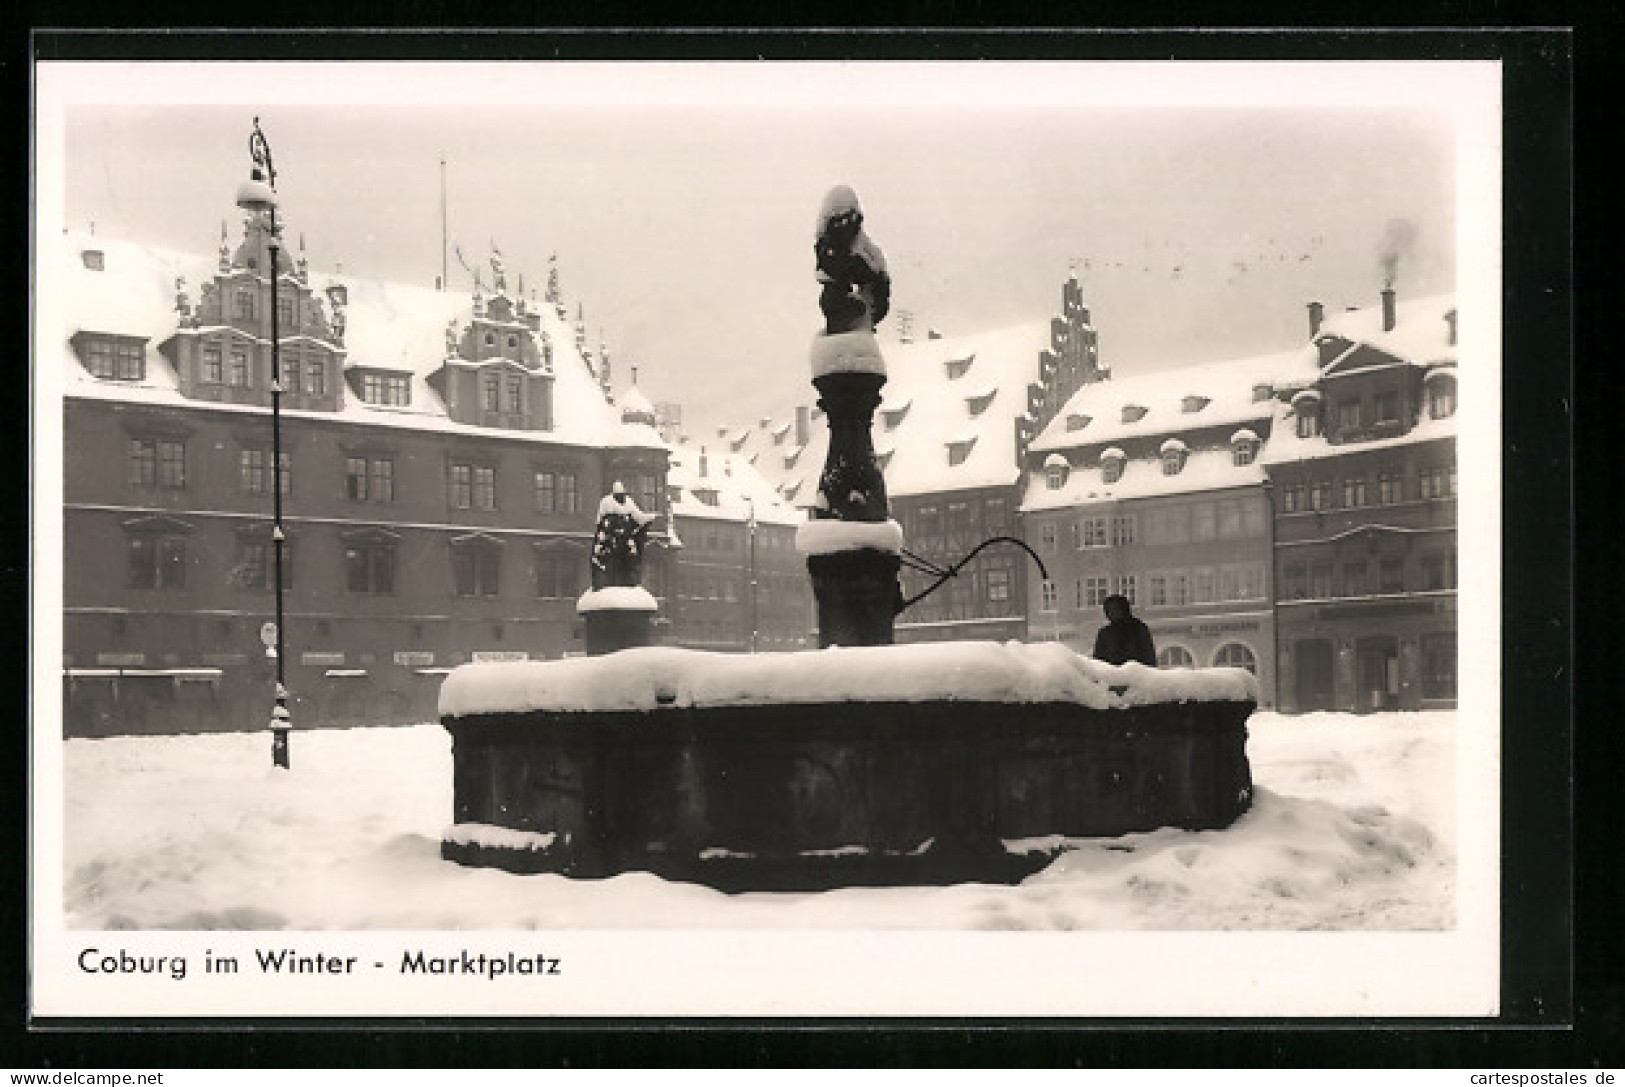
pixel 856 292
pixel 618 612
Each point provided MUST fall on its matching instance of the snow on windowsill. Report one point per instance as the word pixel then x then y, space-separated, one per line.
pixel 486 836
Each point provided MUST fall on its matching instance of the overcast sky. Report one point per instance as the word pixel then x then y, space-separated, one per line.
pixel 1201 222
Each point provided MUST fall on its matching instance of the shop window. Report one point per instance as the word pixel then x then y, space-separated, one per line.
pixel 1175 656
pixel 1235 655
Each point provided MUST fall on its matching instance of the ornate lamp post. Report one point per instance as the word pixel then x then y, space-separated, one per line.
pixel 257 195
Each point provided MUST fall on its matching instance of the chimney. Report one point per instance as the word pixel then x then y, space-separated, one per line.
pixel 703 462
pixel 1387 309
pixel 1317 314
pixel 1450 319
pixel 803 424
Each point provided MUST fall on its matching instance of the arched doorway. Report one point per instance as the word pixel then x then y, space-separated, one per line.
pixel 1175 656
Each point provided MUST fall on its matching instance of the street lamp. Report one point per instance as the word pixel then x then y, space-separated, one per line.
pixel 755 618
pixel 257 195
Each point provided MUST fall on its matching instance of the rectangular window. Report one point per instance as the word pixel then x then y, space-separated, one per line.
pixel 544 485
pixel 558 576
pixel 1230 518
pixel 383 479
pixel 129 362
pixel 1391 576
pixel 998 585
pixel 1230 583
pixel 1295 582
pixel 485 488
pixel 1354 583
pixel 1320 581
pixel 213 371
pixel 157 562
pixel 143 462
pixel 1094 532
pixel 1179 588
pixel 239 369
pixel 1387 406
pixel 256 565
pixel 647 489
pixel 1077 593
pixel 462 486
pixel 1309 423
pixel 1354 492
pixel 1439 572
pixel 569 493
pixel 1048 591
pixel 370 568
pixel 172 465
pixel 1157 586
pixel 1123 530
pixel 1203 588
pixel 492 387
pixel 1203 523
pixel 243 306
pixel 1128 586
pixel 1292 497
pixel 1442 399
pixel 1046 535
pixel 254 472
pixel 316 376
pixel 475 569
pixel 1348 413
pixel 1095 591
pixel 1075 531
pixel 1320 495
pixel 515 395
pixel 356 479
pixel 284 313
pixel 99 357
pixel 1390 488
pixel 997 511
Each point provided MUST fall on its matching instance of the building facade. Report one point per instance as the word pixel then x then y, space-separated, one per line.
pixel 442 458
pixel 950 435
pixel 1363 472
pixel 740 586
pixel 1150 488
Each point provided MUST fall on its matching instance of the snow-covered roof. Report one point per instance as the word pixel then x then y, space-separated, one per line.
pixel 738 486
pixel 1143 477
pixel 392 326
pixel 1227 387
pixel 1421 334
pixel 927 419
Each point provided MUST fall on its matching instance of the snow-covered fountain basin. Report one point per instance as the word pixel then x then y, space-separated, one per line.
pixel 881 765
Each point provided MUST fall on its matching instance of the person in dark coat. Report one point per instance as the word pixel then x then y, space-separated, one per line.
pixel 1124 638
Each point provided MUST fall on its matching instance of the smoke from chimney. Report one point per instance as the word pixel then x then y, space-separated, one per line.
pixel 1398 240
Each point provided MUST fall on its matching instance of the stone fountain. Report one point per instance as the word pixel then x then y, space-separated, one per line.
pixel 862 762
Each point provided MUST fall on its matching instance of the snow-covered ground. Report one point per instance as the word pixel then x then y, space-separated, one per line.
pixel 1352 828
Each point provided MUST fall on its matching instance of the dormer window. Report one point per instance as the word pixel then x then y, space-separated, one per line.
pixel 1262 392
pixel 1191 404
pixel 1056 470
pixel 791 458
pixel 490 339
pixel 1306 410
pixel 959 450
pixel 891 417
pixel 976 405
pixel 1174 452
pixel 1243 447
pixel 706 496
pixel 957 367
pixel 93 259
pixel 883 459
pixel 113 358
pixel 1111 464
pixel 1133 413
pixel 1076 421
pixel 1441 390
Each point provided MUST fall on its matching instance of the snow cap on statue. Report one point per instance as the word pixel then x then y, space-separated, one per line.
pixel 839 201
pixel 618 488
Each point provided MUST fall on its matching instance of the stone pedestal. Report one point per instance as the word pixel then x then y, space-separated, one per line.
pixel 856 590
pixel 609 630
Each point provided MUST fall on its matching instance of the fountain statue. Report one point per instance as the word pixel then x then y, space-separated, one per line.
pixel 863 762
